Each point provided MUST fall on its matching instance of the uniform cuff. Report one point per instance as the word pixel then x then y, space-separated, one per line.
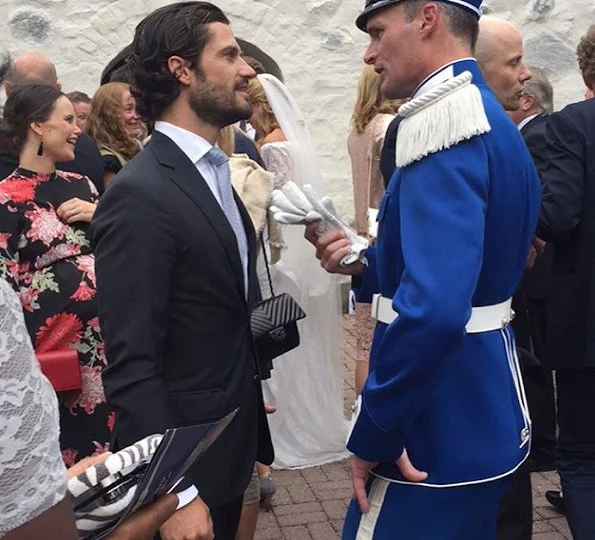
pixel 370 442
pixel 366 285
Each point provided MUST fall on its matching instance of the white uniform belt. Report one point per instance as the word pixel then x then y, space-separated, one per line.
pixel 483 319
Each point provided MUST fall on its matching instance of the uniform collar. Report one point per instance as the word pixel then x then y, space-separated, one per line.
pixel 447 72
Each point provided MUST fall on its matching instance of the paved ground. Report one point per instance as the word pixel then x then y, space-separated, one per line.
pixel 310 504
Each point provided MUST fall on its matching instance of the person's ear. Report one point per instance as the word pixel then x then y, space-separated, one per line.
pixel 528 102
pixel 179 69
pixel 36 128
pixel 428 16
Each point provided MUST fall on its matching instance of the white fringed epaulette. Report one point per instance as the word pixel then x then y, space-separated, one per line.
pixel 441 118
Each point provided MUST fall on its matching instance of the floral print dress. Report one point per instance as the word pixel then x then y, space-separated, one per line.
pixel 50 265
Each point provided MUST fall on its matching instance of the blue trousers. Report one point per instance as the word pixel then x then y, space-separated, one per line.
pixel 409 512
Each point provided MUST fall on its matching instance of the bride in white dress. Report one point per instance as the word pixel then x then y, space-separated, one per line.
pixel 309 427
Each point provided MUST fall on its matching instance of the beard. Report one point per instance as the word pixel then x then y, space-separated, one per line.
pixel 217 105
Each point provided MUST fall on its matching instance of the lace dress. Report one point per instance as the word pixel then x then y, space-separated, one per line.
pixel 50 265
pixel 32 475
pixel 368 189
pixel 306 385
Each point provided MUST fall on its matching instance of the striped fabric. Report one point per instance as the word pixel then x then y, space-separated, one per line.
pixel 95 514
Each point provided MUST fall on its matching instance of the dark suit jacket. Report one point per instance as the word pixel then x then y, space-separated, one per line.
pixel 534 134
pixel 245 145
pixel 87 161
pixel 537 281
pixel 174 317
pixel 568 221
pixel 388 155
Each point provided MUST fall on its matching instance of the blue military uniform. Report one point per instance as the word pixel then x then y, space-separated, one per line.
pixel 455 227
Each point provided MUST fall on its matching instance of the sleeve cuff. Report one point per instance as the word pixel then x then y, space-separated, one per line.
pixel 187 496
pixel 370 442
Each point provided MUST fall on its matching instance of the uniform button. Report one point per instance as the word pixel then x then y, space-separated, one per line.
pixel 525 434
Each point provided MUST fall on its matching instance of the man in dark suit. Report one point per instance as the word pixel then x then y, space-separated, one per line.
pixel 536 104
pixel 34 67
pixel 568 222
pixel 175 262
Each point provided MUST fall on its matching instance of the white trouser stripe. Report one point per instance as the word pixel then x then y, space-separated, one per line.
pixel 515 371
pixel 375 499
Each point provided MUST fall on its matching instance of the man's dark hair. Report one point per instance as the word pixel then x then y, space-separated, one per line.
pixel 25 104
pixel 78 97
pixel 175 30
pixel 462 22
pixel 585 53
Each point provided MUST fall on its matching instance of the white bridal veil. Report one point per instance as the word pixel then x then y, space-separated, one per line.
pixel 309 428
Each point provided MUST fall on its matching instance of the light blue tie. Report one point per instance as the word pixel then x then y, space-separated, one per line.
pixel 221 164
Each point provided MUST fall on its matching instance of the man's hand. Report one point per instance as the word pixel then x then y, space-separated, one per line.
pixel 531 258
pixel 75 210
pixel 408 471
pixel 360 471
pixel 193 522
pixel 144 523
pixel 539 245
pixel 269 409
pixel 331 247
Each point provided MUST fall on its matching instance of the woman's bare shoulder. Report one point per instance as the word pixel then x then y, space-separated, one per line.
pixel 276 135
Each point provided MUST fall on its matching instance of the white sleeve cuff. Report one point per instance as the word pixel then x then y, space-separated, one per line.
pixel 187 496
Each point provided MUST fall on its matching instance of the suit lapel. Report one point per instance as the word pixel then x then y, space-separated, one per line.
pixel 185 175
pixel 252 249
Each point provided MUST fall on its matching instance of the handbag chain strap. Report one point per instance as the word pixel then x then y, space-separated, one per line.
pixel 266 262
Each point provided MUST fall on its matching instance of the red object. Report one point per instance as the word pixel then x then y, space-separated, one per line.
pixel 62 369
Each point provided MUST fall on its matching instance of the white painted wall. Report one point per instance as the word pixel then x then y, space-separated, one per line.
pixel 315 43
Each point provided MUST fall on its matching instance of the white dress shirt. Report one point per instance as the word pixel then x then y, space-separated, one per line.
pixel 196 148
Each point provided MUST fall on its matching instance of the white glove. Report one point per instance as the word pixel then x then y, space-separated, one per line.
pixel 292 206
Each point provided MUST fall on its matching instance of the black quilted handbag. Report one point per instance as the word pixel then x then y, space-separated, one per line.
pixel 274 322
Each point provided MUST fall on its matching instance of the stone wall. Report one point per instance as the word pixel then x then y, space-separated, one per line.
pixel 314 41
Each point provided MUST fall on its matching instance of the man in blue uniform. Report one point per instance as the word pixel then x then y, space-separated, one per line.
pixel 443 420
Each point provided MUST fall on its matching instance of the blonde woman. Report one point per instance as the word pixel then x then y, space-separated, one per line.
pixel 371 116
pixel 115 126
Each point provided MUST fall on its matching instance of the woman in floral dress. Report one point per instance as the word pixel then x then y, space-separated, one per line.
pixel 46 256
